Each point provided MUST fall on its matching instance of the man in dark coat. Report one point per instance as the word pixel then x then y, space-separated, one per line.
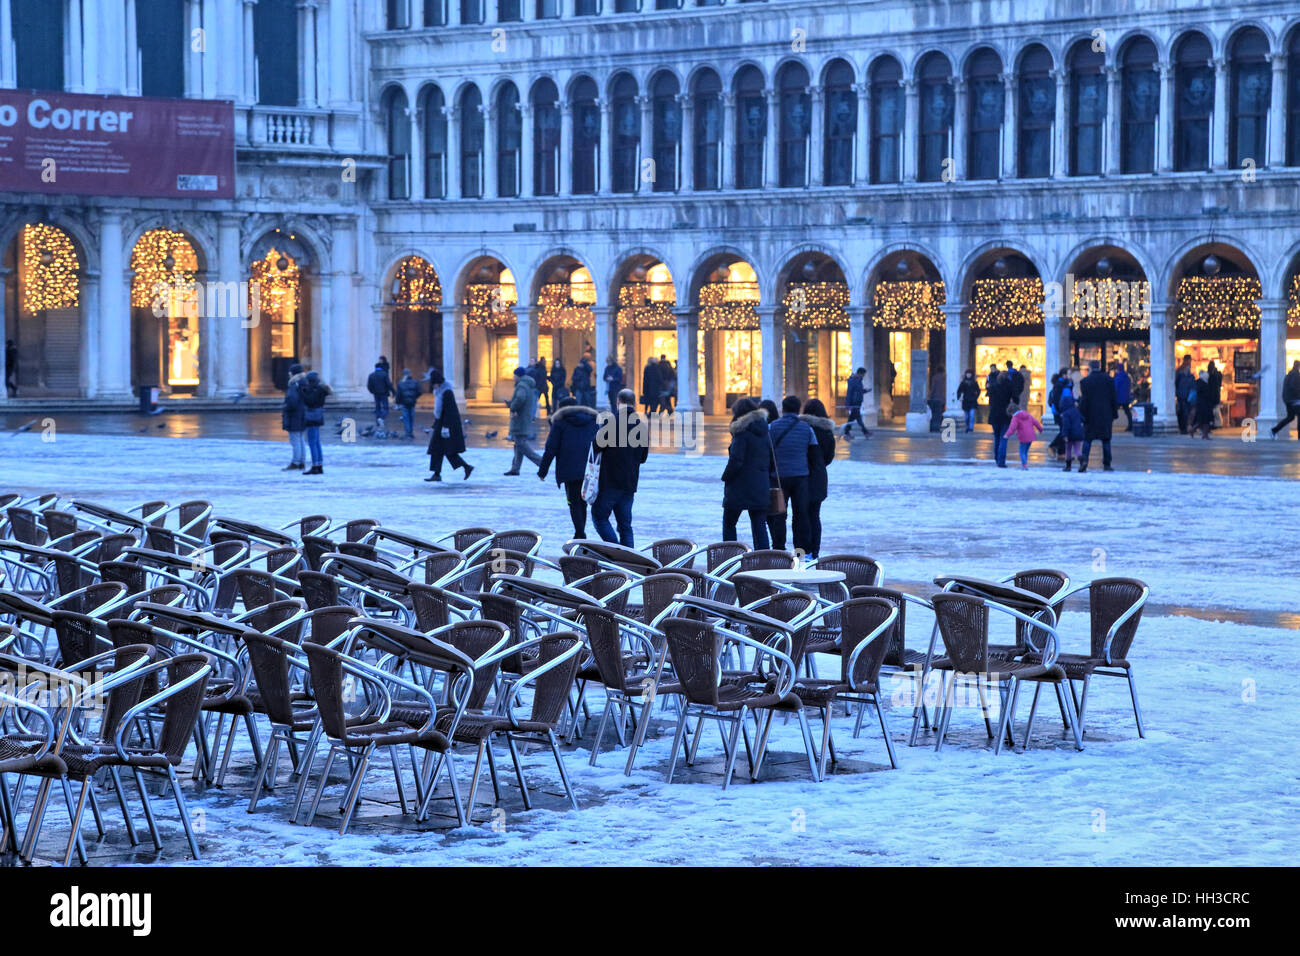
pixel 651 386
pixel 408 393
pixel 623 443
pixel 1290 400
pixel 538 373
pixel 1017 383
pixel 819 456
pixel 448 437
pixel 1000 396
pixel 746 479
pixel 855 393
pixel 573 429
pixel 667 384
pixel 613 379
pixel 293 420
pixel 559 381
pixel 791 440
pixel 1124 393
pixel 968 393
pixel 1184 382
pixel 1099 406
pixel 584 388
pixel 380 386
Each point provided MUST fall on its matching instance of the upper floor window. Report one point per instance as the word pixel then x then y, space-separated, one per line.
pixel 627 6
pixel 586 135
pixel 986 106
pixel 1037 114
pixel 548 9
pixel 665 131
pixel 161 45
pixel 751 128
pixel 795 116
pixel 1293 99
pixel 1087 109
pixel 586 8
pixel 510 11
pixel 1249 95
pixel 1139 106
pixel 38 42
pixel 510 137
pixel 627 133
pixel 471 11
pixel 397 14
pixel 840 124
pixel 546 138
pixel 1193 102
pixel 435 144
pixel 397 124
pixel 435 13
pixel 886 120
pixel 275 44
pixel 471 143
pixel 706 102
pixel 934 79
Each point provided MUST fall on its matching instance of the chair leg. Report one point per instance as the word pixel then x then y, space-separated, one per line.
pixel 304 769
pixel 761 744
pixel 473 780
pixel 121 802
pixel 559 763
pixel 461 819
pixel 1083 703
pixel 947 693
pixel 519 771
pixel 1073 717
pixel 8 827
pixel 271 755
pixel 492 773
pixel 36 819
pixel 1137 708
pixel 320 787
pixel 826 740
pixel 354 789
pixel 1008 716
pixel 74 837
pixel 397 777
pixel 984 705
pixel 638 738
pixel 600 730
pixel 148 809
pixel 732 749
pixel 677 741
pixel 1033 709
pixel 808 746
pixel 184 810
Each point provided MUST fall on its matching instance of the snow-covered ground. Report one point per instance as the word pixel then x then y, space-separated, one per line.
pixel 1215 780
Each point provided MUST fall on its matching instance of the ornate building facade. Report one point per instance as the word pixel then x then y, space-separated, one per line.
pixel 770 194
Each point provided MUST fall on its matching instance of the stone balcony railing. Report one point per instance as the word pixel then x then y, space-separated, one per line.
pixel 284 127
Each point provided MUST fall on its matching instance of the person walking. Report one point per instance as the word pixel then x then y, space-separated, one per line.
pixel 819 458
pixel 651 386
pixel 667 384
pixel 1290 400
pixel 792 439
pixel 407 392
pixel 1071 429
pixel 447 437
pixel 968 393
pixel 380 386
pixel 1204 399
pixel 746 477
pixel 559 381
pixel 293 420
pixel 523 425
pixel 1000 397
pixel 623 444
pixel 1124 393
pixel 936 396
pixel 1017 381
pixel 1184 383
pixel 1025 427
pixel 855 394
pixel 573 429
pixel 613 379
pixel 1215 378
pixel 538 372
pixel 11 367
pixel 314 392
pixel 1100 408
pixel 584 387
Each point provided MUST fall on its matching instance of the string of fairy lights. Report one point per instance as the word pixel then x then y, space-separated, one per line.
pixel 277 281
pixel 1218 304
pixel 816 305
pixel 417 288
pixel 566 306
pixel 1006 302
pixel 1293 304
pixel 729 305
pixel 163 268
pixel 647 305
pixel 1110 304
pixel 909 305
pixel 491 305
pixel 48 271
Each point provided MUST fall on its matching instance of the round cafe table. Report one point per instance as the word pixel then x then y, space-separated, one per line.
pixel 796 577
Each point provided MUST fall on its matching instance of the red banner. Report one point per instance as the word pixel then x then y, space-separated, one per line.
pixel 116 146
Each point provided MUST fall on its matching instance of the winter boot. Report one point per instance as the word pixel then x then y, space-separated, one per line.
pixel 1083 466
pixel 314 470
pixel 469 470
pixel 1068 463
pixel 294 466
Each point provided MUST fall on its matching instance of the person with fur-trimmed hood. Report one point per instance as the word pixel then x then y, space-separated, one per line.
pixel 819 456
pixel 747 478
pixel 573 429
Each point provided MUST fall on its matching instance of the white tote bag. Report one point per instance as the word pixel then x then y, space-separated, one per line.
pixel 591 480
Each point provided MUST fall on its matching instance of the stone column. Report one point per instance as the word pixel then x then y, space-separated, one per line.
pixel 862 335
pixel 453 349
pixel 728 140
pixel 525 149
pixel 956 356
pixel 564 166
pixel 453 151
pixel 8 67
pixel 960 118
pixel 526 330
pixel 306 52
pixel 817 137
pixel 114 378
pixel 1165 121
pixel 111 47
pixel 131 42
pixel 771 140
pixel 341 79
pixel 249 57
pixel 1056 340
pixel 772 347
pixel 686 153
pixel 491 188
pixel 606 344
pixel 337 334
pixel 418 117
pixel 1009 91
pixel 1219 125
pixel 227 309
pixel 1277 113
pixel 862 137
pixel 606 186
pixel 221 42
pixel 688 365
pixel 647 142
pixel 1162 364
pixel 1060 128
pixel 911 130
pixel 1114 122
pixel 1272 362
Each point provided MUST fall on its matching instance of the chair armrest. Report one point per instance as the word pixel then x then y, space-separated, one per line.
pixel 877 633
pixel 1122 619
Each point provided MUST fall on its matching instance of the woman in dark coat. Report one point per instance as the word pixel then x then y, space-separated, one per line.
pixel 293 419
pixel 814 413
pixel 999 398
pixel 651 385
pixel 448 437
pixel 313 393
pixel 573 429
pixel 746 479
pixel 559 381
pixel 1208 393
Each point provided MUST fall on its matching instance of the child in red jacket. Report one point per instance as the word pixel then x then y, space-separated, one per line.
pixel 1025 427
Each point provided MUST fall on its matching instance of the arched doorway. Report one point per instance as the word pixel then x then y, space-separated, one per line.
pixel 1007 323
pixel 1108 302
pixel 165 328
pixel 415 304
pixel 491 328
pixel 647 323
pixel 43 306
pixel 815 307
pixel 728 298
pixel 907 297
pixel 282 299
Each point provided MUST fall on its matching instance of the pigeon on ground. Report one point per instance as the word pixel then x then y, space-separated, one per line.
pixel 24 428
pixel 490 435
pixel 236 399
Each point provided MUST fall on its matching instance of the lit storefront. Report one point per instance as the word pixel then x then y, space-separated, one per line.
pixel 1006 321
pixel 817 323
pixel 490 308
pixel 907 313
pixel 416 302
pixel 43 292
pixel 1218 321
pixel 282 336
pixel 1110 321
pixel 733 344
pixel 164 313
pixel 647 324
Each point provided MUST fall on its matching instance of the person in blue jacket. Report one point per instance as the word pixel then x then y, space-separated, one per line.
pixel 1124 393
pixel 573 428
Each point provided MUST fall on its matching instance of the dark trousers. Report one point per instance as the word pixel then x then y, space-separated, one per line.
pixel 408 419
pixel 577 507
pixel 855 415
pixel 1127 409
pixel 453 459
pixel 544 398
pixel 1292 413
pixel 1105 451
pixel 757 525
pixel 1000 447
pixel 936 414
pixel 796 506
pixel 814 528
pixel 381 407
pixel 619 502
pixel 1180 406
pixel 524 449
